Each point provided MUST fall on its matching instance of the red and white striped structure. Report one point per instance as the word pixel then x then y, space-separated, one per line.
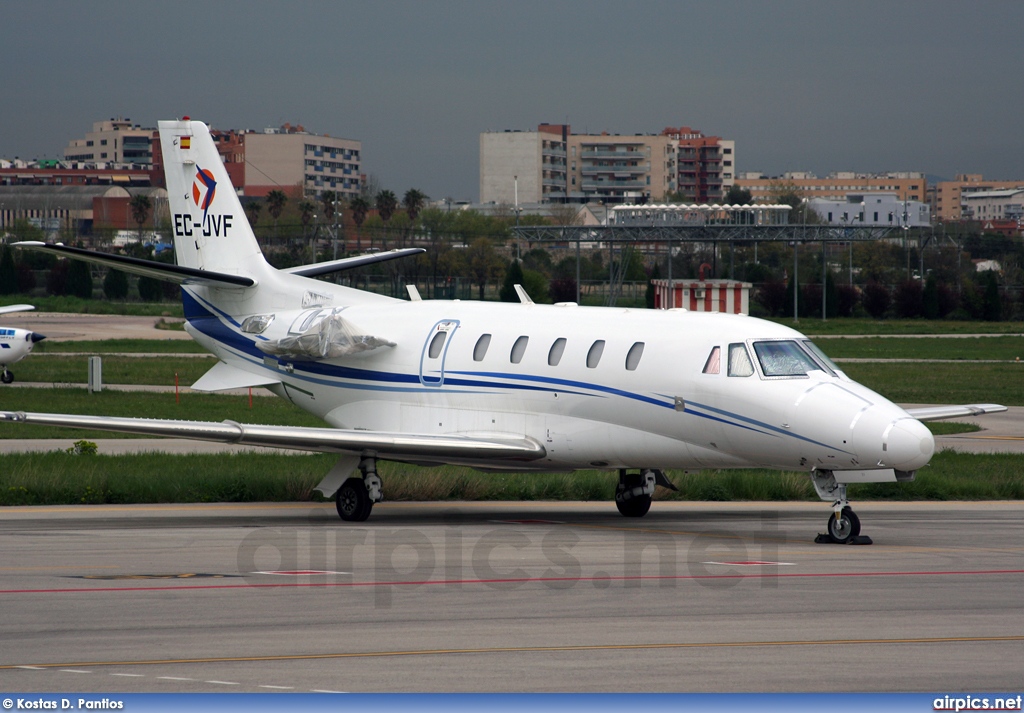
pixel 727 296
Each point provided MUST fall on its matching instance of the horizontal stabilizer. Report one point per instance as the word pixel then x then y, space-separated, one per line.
pixel 146 268
pixel 938 413
pixel 224 376
pixel 347 263
pixel 393 446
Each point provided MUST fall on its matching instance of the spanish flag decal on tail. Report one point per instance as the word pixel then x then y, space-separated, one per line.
pixel 186 142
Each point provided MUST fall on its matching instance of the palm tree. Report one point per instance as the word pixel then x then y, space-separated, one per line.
pixel 359 207
pixel 139 206
pixel 276 201
pixel 414 201
pixel 252 210
pixel 387 204
pixel 307 209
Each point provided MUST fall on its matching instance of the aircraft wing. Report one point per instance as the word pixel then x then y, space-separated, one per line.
pixel 391 446
pixel 146 268
pixel 15 308
pixel 347 263
pixel 938 413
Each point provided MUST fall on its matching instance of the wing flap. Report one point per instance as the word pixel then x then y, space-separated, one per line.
pixel 395 446
pixel 223 377
pixel 938 413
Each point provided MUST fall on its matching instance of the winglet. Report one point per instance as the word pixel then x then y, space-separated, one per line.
pixel 414 294
pixel 523 297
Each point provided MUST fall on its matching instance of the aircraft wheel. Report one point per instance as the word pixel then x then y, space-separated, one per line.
pixel 636 506
pixel 844 528
pixel 354 504
pixel 7 377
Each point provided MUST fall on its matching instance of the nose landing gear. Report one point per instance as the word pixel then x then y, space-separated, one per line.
pixel 843 524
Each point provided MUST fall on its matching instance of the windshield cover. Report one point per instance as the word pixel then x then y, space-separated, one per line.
pixel 784 358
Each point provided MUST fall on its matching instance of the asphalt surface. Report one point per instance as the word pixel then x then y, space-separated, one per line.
pixel 509 597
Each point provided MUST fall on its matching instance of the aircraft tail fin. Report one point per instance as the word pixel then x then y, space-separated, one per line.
pixel 211 231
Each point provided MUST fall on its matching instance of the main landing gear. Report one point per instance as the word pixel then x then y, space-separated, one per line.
pixel 7 377
pixel 356 496
pixel 634 491
pixel 843 524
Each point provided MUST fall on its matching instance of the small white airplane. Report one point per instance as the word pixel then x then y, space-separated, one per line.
pixel 15 344
pixel 501 387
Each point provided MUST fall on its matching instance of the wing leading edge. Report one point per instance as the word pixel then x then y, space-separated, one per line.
pixel 391 446
pixel 938 413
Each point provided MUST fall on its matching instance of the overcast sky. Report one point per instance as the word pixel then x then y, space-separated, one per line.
pixel 930 85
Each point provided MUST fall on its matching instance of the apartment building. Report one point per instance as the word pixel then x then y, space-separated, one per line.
pixel 908 186
pixel 1004 205
pixel 947 197
pixel 524 166
pixel 278 159
pixel 114 141
pixel 553 165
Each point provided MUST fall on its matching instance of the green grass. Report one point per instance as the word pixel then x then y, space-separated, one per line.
pixel 192 407
pixel 120 346
pixel 943 383
pixel 61 478
pixel 816 327
pixel 949 428
pixel 157 371
pixel 77 305
pixel 987 348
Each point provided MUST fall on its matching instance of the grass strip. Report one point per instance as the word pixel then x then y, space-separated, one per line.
pixel 816 327
pixel 120 346
pixel 60 478
pixel 987 348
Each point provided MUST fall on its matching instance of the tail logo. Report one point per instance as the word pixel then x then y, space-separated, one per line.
pixel 203 190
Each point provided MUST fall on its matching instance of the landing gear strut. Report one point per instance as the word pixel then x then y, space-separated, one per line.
pixel 843 524
pixel 356 496
pixel 7 377
pixel 634 491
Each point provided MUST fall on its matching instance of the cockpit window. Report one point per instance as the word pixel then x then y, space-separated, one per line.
pixel 815 350
pixel 784 358
pixel 713 364
pixel 739 361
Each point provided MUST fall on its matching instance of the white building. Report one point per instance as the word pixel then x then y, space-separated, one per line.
pixel 114 141
pixel 524 166
pixel 993 205
pixel 877 209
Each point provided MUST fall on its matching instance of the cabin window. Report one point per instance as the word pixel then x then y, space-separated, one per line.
pixel 594 355
pixel 519 349
pixel 739 361
pixel 436 344
pixel 713 365
pixel 556 351
pixel 784 358
pixel 480 350
pixel 633 356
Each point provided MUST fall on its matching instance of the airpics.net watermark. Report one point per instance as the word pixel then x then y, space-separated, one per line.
pixel 508 555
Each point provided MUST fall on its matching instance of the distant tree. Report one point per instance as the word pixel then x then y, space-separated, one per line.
pixel 649 293
pixel 413 202
pixel 993 306
pixel 57 279
pixel 908 300
pixel 513 277
pixel 307 209
pixel 276 201
pixel 327 201
pixel 140 206
pixel 930 298
pixel 115 285
pixel 8 272
pixel 359 207
pixel 79 281
pixel 483 264
pixel 252 211
pixel 563 289
pixel 772 296
pixel 387 204
pixel 876 300
pixel 150 289
pixel 738 196
pixel 847 296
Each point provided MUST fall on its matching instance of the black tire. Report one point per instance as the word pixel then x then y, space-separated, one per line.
pixel 636 506
pixel 844 528
pixel 7 377
pixel 353 502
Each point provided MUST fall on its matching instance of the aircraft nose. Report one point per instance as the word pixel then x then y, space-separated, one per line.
pixel 37 337
pixel 908 445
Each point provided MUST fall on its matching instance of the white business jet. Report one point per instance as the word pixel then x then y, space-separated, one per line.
pixel 15 344
pixel 500 387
